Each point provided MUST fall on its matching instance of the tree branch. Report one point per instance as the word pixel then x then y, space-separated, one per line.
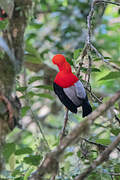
pixel 103 157
pixel 88 45
pixel 100 146
pixel 10 63
pixel 50 162
pixel 88 41
pixel 102 57
pixel 108 2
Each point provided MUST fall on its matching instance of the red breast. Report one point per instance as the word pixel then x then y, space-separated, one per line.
pixel 65 77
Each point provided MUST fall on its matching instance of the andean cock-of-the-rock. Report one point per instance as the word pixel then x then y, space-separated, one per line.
pixel 69 88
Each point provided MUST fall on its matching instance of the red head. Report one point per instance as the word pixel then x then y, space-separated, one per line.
pixel 61 62
pixel 65 77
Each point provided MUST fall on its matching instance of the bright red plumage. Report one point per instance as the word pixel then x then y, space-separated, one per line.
pixel 65 77
pixel 69 88
pixel 65 80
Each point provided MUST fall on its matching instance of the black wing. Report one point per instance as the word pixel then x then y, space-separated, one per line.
pixel 64 99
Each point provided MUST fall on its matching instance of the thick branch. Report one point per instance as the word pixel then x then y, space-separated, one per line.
pixel 47 164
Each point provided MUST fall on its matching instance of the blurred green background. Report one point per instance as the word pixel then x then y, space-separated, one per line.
pixel 59 26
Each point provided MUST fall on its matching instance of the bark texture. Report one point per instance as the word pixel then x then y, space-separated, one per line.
pixel 14 36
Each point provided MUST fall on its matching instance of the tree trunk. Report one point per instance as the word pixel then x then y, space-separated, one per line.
pixel 14 36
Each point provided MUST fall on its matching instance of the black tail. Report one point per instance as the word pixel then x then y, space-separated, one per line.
pixel 86 107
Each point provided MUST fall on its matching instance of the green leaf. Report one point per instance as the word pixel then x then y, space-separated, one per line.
pixel 84 69
pixel 42 95
pixel 97 59
pixel 17 171
pixel 28 173
pixel 76 53
pixel 3 24
pixel 21 89
pixel 33 59
pixel 79 154
pixel 103 141
pixel 24 110
pixel 12 162
pixel 26 150
pixel 31 94
pixel 19 178
pixel 111 75
pixel 68 154
pixel 115 131
pixel 44 87
pixel 32 54
pixel 44 52
pixel 106 57
pixel 8 150
pixel 36 25
pixel 117 168
pixel 95 70
pixel 31 50
pixel 35 78
pixel 31 36
pixel 33 160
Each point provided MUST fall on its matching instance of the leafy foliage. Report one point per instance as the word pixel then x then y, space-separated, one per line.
pixel 60 27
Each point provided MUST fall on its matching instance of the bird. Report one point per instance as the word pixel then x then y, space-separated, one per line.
pixel 3 14
pixel 69 88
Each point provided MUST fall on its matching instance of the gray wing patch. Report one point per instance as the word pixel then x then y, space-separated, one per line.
pixel 80 90
pixel 71 93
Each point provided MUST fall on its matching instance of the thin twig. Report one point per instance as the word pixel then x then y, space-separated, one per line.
pixel 89 68
pixel 53 157
pixel 102 57
pixel 84 53
pixel 108 2
pixel 89 46
pixel 36 120
pixel 112 173
pixel 104 156
pixel 34 117
pixel 94 143
pixel 93 95
pixel 97 144
pixel 88 40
